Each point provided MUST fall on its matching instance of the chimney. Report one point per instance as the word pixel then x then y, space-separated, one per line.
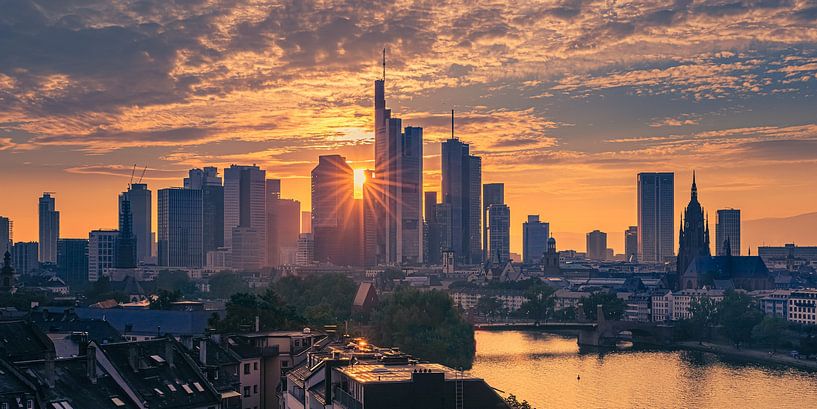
pixel 169 352
pixel 133 358
pixel 203 352
pixel 49 368
pixel 90 363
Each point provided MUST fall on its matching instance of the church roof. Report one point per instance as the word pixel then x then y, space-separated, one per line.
pixel 728 267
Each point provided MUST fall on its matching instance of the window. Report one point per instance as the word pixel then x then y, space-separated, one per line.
pixel 246 391
pixel 246 369
pixel 255 366
pixel 255 389
pixel 285 364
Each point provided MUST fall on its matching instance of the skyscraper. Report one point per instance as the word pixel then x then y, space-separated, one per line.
pixel 433 231
pixel 141 210
pixel 283 228
pixel 6 235
pixel 597 245
pixel 24 256
pixel 631 244
pixel 369 212
pixel 656 216
pixel 245 206
pixel 49 229
pixel 727 227
pixel 306 249
pixel 212 200
pixel 180 228
pixel 126 241
pixel 306 221
pixel 461 185
pixel 693 240
pixel 399 171
pixel 101 252
pixel 72 261
pixel 499 233
pixel 492 193
pixel 332 210
pixel 534 240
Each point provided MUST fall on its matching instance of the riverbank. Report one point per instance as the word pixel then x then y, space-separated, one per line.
pixel 749 355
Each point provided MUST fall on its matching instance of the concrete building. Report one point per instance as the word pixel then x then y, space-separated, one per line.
pixel 6 235
pixel 306 221
pixel 789 255
pixel 461 185
pixel 674 306
pixel 802 307
pixel 727 228
pixel 141 210
pixel 72 261
pixel 597 245
pixel 434 231
pixel 332 210
pixel 656 217
pixel 368 217
pixel 101 252
pixel 306 250
pixel 631 244
pixel 245 205
pixel 492 193
pixel 180 228
pixel 468 298
pixel 283 228
pixel 535 234
pixel 49 219
pixel 499 233
pixel 25 256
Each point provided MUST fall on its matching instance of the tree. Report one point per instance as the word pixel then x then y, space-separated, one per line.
pixel 613 306
pixel 424 324
pixel 225 284
pixel 165 299
pixel 770 332
pixel 489 306
pixel 102 290
pixel 243 308
pixel 703 315
pixel 738 314
pixel 514 403
pixel 173 280
pixel 539 301
pixel 322 299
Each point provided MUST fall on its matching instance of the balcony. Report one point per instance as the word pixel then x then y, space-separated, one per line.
pixel 346 400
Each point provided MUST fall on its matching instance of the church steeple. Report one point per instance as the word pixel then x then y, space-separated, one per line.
pixel 7 275
pixel 694 187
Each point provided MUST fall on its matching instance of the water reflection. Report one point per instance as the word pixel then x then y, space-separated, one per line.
pixel 543 369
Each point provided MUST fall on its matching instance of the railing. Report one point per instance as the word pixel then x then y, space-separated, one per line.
pixel 346 400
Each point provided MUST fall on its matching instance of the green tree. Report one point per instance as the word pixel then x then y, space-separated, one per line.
pixel 514 403
pixel 770 332
pixel 322 299
pixel 165 299
pixel 172 280
pixel 539 301
pixel 223 285
pixel 243 308
pixel 613 306
pixel 703 315
pixel 738 314
pixel 489 306
pixel 103 290
pixel 425 324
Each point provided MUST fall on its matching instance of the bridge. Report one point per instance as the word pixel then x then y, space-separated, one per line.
pixel 600 333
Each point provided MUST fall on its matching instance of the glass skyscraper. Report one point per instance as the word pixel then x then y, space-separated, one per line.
pixel 180 228
pixel 656 216
pixel 728 227
pixel 141 210
pixel 499 233
pixel 534 239
pixel 49 229
pixel 492 193
pixel 461 185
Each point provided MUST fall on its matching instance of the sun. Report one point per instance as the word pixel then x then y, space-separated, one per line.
pixel 360 179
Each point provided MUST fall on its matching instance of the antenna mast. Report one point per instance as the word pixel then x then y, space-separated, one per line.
pixel 384 64
pixel 452 124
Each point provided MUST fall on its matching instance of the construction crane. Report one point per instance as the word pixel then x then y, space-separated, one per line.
pixel 131 176
pixel 143 174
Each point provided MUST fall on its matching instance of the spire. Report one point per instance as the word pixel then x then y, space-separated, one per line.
pixel 694 187
pixel 384 64
pixel 452 124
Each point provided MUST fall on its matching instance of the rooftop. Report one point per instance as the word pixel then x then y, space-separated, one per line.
pixel 370 373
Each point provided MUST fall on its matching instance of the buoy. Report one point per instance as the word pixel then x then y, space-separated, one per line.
pixel 578 377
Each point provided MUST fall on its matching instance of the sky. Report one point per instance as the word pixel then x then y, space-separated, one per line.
pixel 566 101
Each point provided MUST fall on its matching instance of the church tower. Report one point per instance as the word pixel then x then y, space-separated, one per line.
pixel 7 284
pixel 693 238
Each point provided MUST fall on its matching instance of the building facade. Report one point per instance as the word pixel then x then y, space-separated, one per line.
pixel 631 244
pixel 101 252
pixel 597 245
pixel 6 235
pixel 727 227
pixel 693 240
pixel 49 219
pixel 656 216
pixel 535 234
pixel 332 210
pixel 461 185
pixel 141 209
pixel 212 201
pixel 492 193
pixel 499 233
pixel 25 257
pixel 72 261
pixel 180 228
pixel 245 204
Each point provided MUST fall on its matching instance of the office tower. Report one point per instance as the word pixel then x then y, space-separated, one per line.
pixel 306 221
pixel 693 240
pixel 656 216
pixel 283 228
pixel 433 231
pixel 369 209
pixel 727 227
pixel 126 241
pixel 180 228
pixel 25 257
pixel 49 228
pixel 499 233
pixel 461 185
pixel 72 261
pixel 597 245
pixel 246 254
pixel 631 244
pixel 306 249
pixel 534 240
pixel 141 209
pixel 6 235
pixel 101 252
pixel 399 170
pixel 273 188
pixel 212 197
pixel 245 205
pixel 332 210
pixel 492 193
pixel 443 214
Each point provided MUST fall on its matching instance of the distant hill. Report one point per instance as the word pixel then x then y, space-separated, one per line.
pixel 800 229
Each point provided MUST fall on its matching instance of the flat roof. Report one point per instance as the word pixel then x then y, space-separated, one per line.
pixel 371 373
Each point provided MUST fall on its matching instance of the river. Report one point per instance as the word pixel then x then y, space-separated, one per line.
pixel 543 369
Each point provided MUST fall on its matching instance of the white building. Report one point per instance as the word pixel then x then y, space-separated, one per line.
pixel 674 306
pixel 803 306
pixel 305 254
pixel 511 300
pixel 101 250
pixel 564 299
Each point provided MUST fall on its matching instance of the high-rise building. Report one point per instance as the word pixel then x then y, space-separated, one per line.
pixel 126 241
pixel 369 212
pixel 180 228
pixel 245 205
pixel 656 216
pixel 492 193
pixel 306 249
pixel 432 246
pixel 25 257
pixel 535 234
pixel 141 210
pixel 597 245
pixel 212 200
pixel 461 185
pixel 306 221
pixel 273 189
pixel 333 210
pixel 499 233
pixel 101 252
pixel 49 228
pixel 631 244
pixel 727 227
pixel 693 240
pixel 399 170
pixel 283 228
pixel 443 214
pixel 246 255
pixel 6 235
pixel 72 261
